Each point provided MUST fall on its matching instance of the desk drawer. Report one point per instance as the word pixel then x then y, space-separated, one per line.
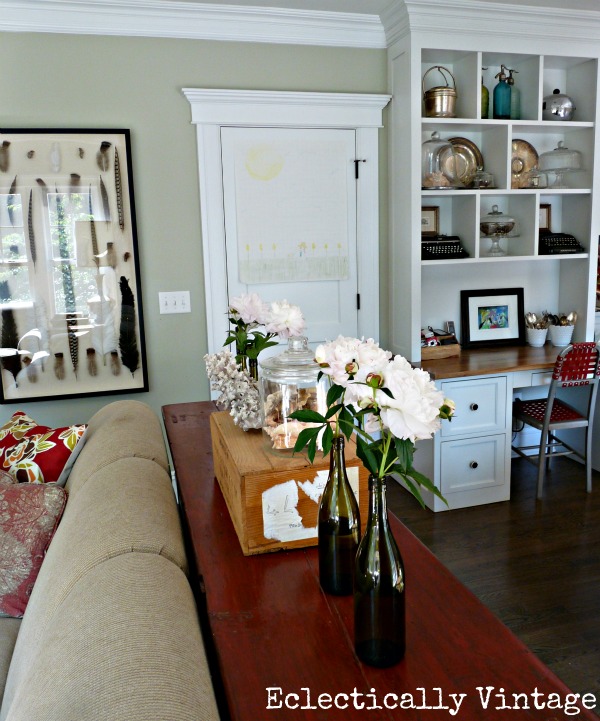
pixel 480 406
pixel 473 464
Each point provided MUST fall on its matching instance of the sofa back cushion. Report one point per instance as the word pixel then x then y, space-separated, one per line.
pixel 121 429
pixel 126 507
pixel 124 645
pixel 9 629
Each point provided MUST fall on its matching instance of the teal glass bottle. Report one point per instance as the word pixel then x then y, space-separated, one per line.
pixel 379 594
pixel 338 527
pixel 515 96
pixel 502 97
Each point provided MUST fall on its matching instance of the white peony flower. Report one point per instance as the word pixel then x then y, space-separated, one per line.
pixel 285 319
pixel 413 412
pixel 349 362
pixel 250 308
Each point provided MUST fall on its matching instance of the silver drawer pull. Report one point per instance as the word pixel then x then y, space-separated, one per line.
pixel 473 464
pixel 474 406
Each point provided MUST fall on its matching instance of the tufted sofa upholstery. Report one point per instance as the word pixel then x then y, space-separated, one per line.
pixel 111 631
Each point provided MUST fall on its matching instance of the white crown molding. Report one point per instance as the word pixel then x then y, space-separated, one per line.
pixel 196 20
pixel 547 20
pixel 283 108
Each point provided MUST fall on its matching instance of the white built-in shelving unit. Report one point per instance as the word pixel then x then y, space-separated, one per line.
pixel 428 292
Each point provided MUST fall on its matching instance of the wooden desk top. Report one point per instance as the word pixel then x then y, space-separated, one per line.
pixel 273 628
pixel 486 361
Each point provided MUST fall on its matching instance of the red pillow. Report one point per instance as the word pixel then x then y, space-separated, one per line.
pixel 29 515
pixel 6 478
pixel 36 454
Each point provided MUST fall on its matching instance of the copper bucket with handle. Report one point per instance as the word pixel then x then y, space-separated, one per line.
pixel 440 101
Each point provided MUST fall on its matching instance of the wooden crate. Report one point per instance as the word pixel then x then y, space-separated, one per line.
pixel 274 499
pixel 440 351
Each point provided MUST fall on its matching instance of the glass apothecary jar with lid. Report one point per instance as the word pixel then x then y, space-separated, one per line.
pixel 289 382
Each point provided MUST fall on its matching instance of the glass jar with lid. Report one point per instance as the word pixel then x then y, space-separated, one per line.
pixel 289 382
pixel 438 165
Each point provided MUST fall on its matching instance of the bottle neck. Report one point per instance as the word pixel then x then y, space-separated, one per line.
pixel 336 456
pixel 377 501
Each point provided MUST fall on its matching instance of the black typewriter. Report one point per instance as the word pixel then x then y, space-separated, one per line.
pixel 559 244
pixel 442 247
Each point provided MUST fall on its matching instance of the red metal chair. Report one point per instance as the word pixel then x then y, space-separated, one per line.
pixel 576 366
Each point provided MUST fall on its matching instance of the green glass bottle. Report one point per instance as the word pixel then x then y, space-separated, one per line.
pixel 485 99
pixel 379 598
pixel 339 526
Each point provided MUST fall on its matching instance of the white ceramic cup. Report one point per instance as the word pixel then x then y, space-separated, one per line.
pixel 560 335
pixel 536 337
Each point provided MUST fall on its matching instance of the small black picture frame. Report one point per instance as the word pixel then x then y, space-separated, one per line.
pixel 492 317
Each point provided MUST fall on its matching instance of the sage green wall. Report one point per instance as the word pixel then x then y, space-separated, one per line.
pixel 62 81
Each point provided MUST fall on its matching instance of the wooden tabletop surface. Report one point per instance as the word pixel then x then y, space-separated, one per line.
pixel 285 648
pixel 485 361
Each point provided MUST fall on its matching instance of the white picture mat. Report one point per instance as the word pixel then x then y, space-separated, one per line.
pixel 477 303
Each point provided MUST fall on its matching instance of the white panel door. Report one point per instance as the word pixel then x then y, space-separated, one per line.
pixel 290 221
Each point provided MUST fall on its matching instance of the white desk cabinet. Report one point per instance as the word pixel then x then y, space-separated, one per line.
pixel 469 458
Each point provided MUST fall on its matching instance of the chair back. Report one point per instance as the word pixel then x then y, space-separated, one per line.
pixel 577 365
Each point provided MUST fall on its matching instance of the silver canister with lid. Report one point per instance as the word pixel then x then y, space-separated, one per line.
pixel 558 106
pixel 289 382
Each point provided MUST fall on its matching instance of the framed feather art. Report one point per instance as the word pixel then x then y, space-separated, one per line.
pixel 70 296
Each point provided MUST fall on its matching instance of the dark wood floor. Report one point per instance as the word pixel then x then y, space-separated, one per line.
pixel 535 564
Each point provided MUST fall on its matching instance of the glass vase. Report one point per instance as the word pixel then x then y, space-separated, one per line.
pixel 339 526
pixel 379 597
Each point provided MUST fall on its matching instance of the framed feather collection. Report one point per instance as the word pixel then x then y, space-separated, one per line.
pixel 70 298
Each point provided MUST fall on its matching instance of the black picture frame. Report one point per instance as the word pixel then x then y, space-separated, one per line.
pixel 70 291
pixel 492 317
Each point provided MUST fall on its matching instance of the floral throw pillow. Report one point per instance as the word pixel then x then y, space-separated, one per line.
pixel 6 479
pixel 29 515
pixel 38 454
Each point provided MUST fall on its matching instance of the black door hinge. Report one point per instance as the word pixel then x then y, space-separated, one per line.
pixel 358 301
pixel 356 162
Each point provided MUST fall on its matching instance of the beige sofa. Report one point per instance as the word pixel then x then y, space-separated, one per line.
pixel 111 631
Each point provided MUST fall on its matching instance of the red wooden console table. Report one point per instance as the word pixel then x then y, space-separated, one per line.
pixel 284 649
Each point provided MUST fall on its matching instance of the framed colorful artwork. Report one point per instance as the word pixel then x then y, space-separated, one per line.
pixel 492 317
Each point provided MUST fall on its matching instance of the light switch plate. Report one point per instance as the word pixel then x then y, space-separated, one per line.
pixel 177 301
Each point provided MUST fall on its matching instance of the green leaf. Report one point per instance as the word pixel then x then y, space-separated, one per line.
pixel 327 440
pixel 426 483
pixel 366 456
pixel 404 453
pixel 304 438
pixel 333 410
pixel 346 422
pixel 414 490
pixel 334 393
pixel 308 416
pixel 312 449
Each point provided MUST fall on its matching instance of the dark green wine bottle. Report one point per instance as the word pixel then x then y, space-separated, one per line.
pixel 339 526
pixel 379 598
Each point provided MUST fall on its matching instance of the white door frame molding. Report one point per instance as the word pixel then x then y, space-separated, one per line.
pixel 213 109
